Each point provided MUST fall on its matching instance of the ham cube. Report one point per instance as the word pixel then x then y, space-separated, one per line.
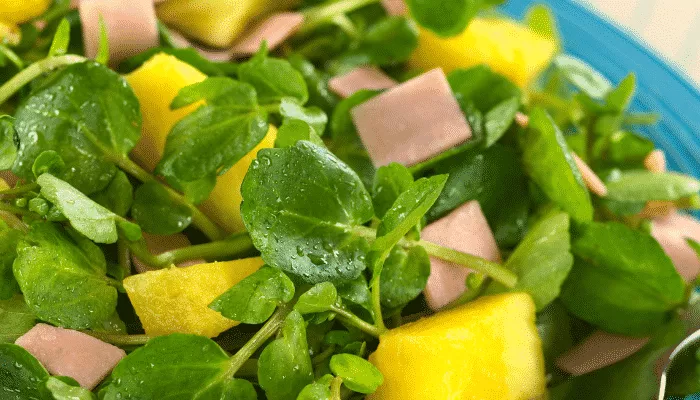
pixel 592 181
pixel 598 351
pixel 274 30
pixel 361 78
pixel 655 161
pixel 464 229
pixel 412 122
pixel 395 7
pixel 158 244
pixel 71 353
pixel 671 233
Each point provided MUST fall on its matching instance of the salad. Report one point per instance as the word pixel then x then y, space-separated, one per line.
pixel 331 199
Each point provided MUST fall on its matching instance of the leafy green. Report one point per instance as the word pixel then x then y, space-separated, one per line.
pixel 300 205
pixel 499 119
pixel 626 149
pixel 39 206
pixel 48 161
pixel 541 20
pixel 255 298
pixel 619 98
pixel 85 215
pixel 404 276
pixel 62 276
pixel 170 367
pixel 314 116
pixel 118 196
pixel 444 17
pixel 294 130
pixel 157 212
pixel 583 76
pixel 356 291
pixel 318 299
pixel 8 244
pixel 284 366
pixel 21 375
pixel 542 260
pixel 317 83
pixel 550 164
pixel 389 182
pixel 15 319
pixel 555 331
pixel 315 391
pixel 622 281
pixel 188 55
pixel 61 40
pixel 388 42
pixel 239 389
pixel 358 374
pixel 89 115
pixel 273 79
pixel 482 87
pixel 641 186
pixel 102 55
pixel 8 150
pixel 63 391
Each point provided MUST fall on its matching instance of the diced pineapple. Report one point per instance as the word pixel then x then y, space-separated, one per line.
pixel 18 11
pixel 9 33
pixel 506 46
pixel 487 349
pixel 3 185
pixel 176 300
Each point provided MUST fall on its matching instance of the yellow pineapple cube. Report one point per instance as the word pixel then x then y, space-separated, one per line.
pixel 18 11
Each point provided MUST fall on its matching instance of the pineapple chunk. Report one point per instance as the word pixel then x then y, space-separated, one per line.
pixel 506 46
pixel 176 300
pixel 9 33
pixel 487 349
pixel 4 185
pixel 18 11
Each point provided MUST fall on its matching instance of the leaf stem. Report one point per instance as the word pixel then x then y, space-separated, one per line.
pixel 352 319
pixel 336 384
pixel 124 256
pixel 14 210
pixel 19 189
pixel 13 222
pixel 31 72
pixel 377 296
pixel 325 13
pixel 119 339
pixel 266 332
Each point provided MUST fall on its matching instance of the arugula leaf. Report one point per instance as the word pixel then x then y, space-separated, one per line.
pixel 642 186
pixel 318 299
pixel 314 116
pixel 388 42
pixel 284 366
pixel 404 276
pixel 8 150
pixel 273 78
pixel 156 211
pixel 549 163
pixel 118 196
pixel 358 374
pixel 16 319
pixel 8 244
pixel 444 17
pixel 389 182
pixel 300 205
pixel 173 366
pixel 86 216
pixel 63 391
pixel 542 260
pixel 255 298
pixel 22 377
pixel 87 113
pixel 622 281
pixel 62 276
pixel 499 119
pixel 582 76
pixel 482 87
pixel 294 130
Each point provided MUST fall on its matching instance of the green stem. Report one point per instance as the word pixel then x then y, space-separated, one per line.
pixel 33 71
pixel 324 355
pixel 376 294
pixel 124 256
pixel 352 319
pixel 336 384
pixel 19 190
pixel 13 222
pixel 120 340
pixel 266 332
pixel 325 13
pixel 14 210
pixel 468 295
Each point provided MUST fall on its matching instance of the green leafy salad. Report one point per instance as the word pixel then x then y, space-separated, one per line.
pixel 330 199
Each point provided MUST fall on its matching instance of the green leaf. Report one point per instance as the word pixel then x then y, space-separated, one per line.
pixel 63 391
pixel 8 244
pixel 626 149
pixel 294 130
pixel 157 212
pixel 62 276
pixel 642 186
pixel 39 206
pixel 188 55
pixel 499 119
pixel 218 91
pixel 273 78
pixel 618 99
pixel 16 319
pixel 48 161
pixel 315 391
pixel 319 298
pixel 444 17
pixel 358 374
pixel 102 55
pixel 176 366
pixel 61 39
pixel 21 375
pixel 482 87
pixel 118 196
pixel 89 115
pixel 582 76
pixel 317 83
pixel 239 389
pixel 86 216
pixel 255 298
pixel 555 331
pixel 622 281
pixel 314 116
pixel 404 276
pixel 542 260
pixel 541 20
pixel 357 292
pixel 8 150
pixel 388 42
pixel 550 164
pixel 389 182
pixel 284 367
pixel 300 205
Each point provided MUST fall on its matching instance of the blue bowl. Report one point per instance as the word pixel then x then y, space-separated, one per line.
pixel 660 87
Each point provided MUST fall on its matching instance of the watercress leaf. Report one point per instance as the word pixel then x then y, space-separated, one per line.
pixel 39 206
pixel 69 290
pixel 22 377
pixel 641 186
pixel 358 374
pixel 317 83
pixel 48 161
pixel 188 55
pixel 404 276
pixel 61 39
pixel 499 119
pixel 555 331
pixel 284 366
pixel 176 366
pixel 218 91
pixel 8 150
pixel 273 78
pixel 619 98
pixel 118 196
pixel 626 149
pixel 102 55
pixel 550 164
pixel 318 299
pixel 622 281
pixel 582 76
pixel 63 391
pixel 16 318
pixel 300 205
pixel 86 216
pixel 294 130
pixel 389 182
pixel 157 212
pixel 88 114
pixel 239 389
pixel 255 298
pixel 8 244
pixel 314 116
pixel 315 391
pixel 541 20
pixel 542 260
pixel 357 292
pixel 444 17
pixel 387 42
pixel 482 87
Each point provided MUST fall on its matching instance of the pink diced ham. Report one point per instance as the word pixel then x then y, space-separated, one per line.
pixel 464 229
pixel 593 182
pixel 361 78
pixel 71 353
pixel 598 351
pixel 131 26
pixel 274 30
pixel 671 232
pixel 160 244
pixel 412 122
pixel 523 120
pixel 395 7
pixel 655 161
